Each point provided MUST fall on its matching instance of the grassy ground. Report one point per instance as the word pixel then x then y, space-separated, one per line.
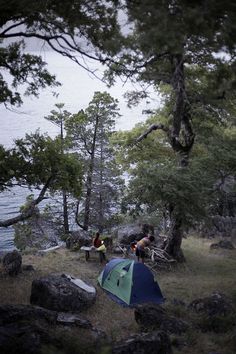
pixel 204 272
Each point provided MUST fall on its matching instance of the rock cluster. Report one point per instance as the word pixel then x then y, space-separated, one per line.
pixel 26 329
pixel 152 343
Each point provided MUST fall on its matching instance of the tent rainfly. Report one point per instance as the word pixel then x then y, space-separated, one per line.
pixel 129 283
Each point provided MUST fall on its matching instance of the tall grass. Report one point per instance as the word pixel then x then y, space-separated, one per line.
pixel 205 271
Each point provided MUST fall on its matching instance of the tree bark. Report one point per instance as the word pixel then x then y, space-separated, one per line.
pixel 65 213
pixel 174 241
pixel 181 139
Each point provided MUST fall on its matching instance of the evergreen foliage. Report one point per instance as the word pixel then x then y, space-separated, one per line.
pixel 90 132
pixel 186 48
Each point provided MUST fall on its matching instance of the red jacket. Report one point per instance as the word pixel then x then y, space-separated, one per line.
pixel 97 243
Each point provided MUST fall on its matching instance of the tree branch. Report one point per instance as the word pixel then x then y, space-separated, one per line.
pixel 64 50
pixel 29 211
pixel 150 129
pixel 11 27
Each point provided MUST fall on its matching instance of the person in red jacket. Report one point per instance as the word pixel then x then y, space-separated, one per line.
pixel 100 247
pixel 140 247
pixel 96 241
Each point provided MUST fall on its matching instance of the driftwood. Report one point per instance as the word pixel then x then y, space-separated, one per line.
pixel 156 257
pixel 159 258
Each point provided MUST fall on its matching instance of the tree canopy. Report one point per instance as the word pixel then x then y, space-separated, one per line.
pixel 186 49
pixel 78 30
pixel 37 161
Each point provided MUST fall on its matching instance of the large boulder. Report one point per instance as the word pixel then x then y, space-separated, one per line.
pixel 12 262
pixel 152 316
pixel 129 233
pixel 226 244
pixel 62 293
pixel 216 313
pixel 151 343
pixel 215 304
pixel 77 239
pixel 28 329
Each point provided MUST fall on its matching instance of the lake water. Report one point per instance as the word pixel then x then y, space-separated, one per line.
pixel 78 87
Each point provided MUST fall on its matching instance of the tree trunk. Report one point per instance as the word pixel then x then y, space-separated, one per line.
pixel 89 178
pixel 65 213
pixel 173 246
pixel 100 205
pixel 88 198
pixel 181 139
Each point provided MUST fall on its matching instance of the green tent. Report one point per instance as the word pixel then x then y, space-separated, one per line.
pixel 129 282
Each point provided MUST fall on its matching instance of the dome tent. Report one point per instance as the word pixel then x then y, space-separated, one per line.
pixel 129 283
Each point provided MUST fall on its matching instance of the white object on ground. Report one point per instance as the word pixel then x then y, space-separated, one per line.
pixel 51 248
pixel 81 284
pixel 85 248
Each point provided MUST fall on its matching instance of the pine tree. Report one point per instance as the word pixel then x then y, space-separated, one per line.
pixel 59 118
pixel 89 131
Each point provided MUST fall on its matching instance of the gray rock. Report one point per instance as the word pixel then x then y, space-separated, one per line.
pixel 12 262
pixel 28 268
pixel 25 329
pixel 77 239
pixel 118 250
pixel 151 343
pixel 128 233
pixel 70 319
pixel 222 244
pixel 216 313
pixel 215 304
pixel 57 292
pixel 21 338
pixel 17 313
pixel 155 317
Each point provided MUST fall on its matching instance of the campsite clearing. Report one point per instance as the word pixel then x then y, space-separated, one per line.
pixel 204 272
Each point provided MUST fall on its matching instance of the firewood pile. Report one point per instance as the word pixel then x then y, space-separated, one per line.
pixel 157 258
